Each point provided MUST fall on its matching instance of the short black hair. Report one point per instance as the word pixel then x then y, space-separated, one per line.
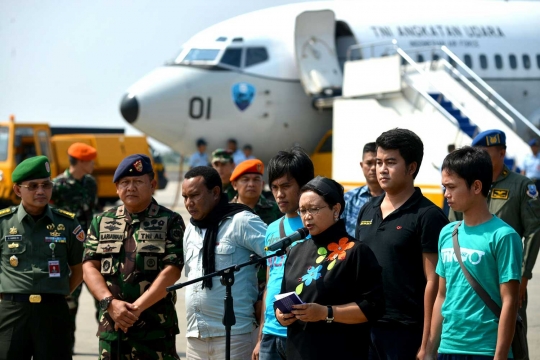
pixel 295 163
pixel 248 147
pixel 72 161
pixel 370 147
pixel 408 144
pixel 331 198
pixel 231 140
pixel 209 174
pixel 200 142
pixel 470 164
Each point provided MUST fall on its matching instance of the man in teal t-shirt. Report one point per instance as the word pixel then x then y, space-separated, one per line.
pixel 462 324
pixel 288 171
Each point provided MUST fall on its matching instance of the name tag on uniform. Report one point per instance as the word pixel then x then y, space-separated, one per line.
pixel 54 268
pixel 55 239
pixel 9 238
pixel 500 194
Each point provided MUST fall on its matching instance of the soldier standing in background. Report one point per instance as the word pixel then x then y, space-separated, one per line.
pixel 75 190
pixel 41 250
pixel 222 161
pixel 133 253
pixel 514 199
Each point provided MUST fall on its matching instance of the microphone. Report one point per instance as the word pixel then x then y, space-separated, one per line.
pixel 286 241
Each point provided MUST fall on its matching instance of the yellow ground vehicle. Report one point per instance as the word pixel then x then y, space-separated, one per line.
pixel 19 141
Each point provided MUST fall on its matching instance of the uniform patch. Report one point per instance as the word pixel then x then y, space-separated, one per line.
pixel 500 194
pixel 5 211
pixel 106 265
pixel 154 246
pixel 366 222
pixel 13 238
pixel 80 236
pixel 109 247
pixel 77 229
pixel 138 165
pixel 531 191
pixel 150 263
pixel 66 213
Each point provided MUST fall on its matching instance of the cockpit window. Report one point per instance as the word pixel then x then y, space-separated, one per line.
pixel 232 57
pixel 201 55
pixel 256 55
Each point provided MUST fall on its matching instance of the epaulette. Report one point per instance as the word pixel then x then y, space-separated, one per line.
pixel 8 210
pixel 64 212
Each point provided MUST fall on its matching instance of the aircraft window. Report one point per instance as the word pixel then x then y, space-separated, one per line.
pixel 221 38
pixel 498 61
pixel 483 61
pixel 513 61
pixel 526 61
pixel 420 58
pixel 237 39
pixel 256 55
pixel 435 57
pixel 232 56
pixel 468 60
pixel 201 55
pixel 538 61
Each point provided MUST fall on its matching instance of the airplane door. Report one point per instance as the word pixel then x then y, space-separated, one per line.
pixel 316 57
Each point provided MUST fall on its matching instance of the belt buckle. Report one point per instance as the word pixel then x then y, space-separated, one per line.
pixel 34 299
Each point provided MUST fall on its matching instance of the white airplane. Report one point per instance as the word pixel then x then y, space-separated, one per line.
pixel 255 77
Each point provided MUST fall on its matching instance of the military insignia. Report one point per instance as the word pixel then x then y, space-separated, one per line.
pixel 138 165
pixel 5 211
pixel 243 95
pixel 77 229
pixel 176 233
pixel 67 213
pixel 106 266
pixel 150 248
pixel 500 194
pixel 366 222
pixel 531 191
pixel 55 233
pixel 13 261
pixel 13 238
pixel 150 263
pixel 111 227
pixel 154 225
pixel 113 222
pixel 13 231
pixel 108 248
pixel 80 236
pixel 13 245
pixel 61 227
pixel 47 167
pixel 50 227
pixel 493 140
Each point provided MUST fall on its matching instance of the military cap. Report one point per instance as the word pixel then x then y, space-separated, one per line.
pixel 252 166
pixel 36 167
pixel 82 151
pixel 533 142
pixel 133 165
pixel 490 138
pixel 222 155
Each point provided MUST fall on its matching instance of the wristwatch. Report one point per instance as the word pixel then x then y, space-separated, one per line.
pixel 104 303
pixel 330 317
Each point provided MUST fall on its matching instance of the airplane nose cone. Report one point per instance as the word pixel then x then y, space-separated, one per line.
pixel 129 108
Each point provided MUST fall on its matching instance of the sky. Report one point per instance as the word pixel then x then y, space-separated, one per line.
pixel 69 62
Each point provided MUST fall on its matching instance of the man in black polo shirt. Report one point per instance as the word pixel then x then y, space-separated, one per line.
pixel 402 228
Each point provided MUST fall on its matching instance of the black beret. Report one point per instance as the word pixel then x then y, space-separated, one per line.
pixel 133 165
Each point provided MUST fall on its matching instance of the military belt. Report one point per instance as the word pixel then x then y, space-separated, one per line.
pixel 34 298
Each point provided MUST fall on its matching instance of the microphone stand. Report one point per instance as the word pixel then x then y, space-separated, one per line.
pixel 227 280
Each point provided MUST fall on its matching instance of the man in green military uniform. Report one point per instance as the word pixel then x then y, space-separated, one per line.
pixel 133 252
pixel 222 161
pixel 75 190
pixel 247 180
pixel 514 199
pixel 41 251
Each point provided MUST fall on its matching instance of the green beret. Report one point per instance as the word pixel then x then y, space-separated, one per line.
pixel 36 167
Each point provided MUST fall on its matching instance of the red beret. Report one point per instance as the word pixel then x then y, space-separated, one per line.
pixel 82 151
pixel 253 166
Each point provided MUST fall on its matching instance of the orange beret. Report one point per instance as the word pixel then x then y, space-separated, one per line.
pixel 252 166
pixel 82 151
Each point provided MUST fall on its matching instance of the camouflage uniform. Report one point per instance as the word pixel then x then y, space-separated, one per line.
pixel 512 199
pixel 229 190
pixel 133 249
pixel 80 198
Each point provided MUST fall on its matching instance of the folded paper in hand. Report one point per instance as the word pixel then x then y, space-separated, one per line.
pixel 284 302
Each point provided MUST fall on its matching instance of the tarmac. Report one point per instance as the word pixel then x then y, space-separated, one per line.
pixel 86 345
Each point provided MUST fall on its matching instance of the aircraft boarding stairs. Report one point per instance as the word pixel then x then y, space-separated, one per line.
pixel 442 101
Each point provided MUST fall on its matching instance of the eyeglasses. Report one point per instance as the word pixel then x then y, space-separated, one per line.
pixel 312 211
pixel 34 186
